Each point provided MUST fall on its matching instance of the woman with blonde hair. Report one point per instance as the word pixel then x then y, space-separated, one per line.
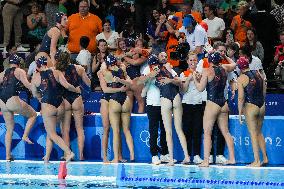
pixel 240 25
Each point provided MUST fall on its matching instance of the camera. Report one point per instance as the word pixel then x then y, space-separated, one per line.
pixel 181 51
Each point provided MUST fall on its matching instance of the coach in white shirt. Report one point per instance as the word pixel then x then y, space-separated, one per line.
pixel 216 26
pixel 153 110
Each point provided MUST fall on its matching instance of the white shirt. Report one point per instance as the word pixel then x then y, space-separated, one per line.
pixel 153 93
pixel 111 41
pixel 192 95
pixel 215 26
pixel 84 58
pixel 197 38
pixel 199 69
pixel 255 64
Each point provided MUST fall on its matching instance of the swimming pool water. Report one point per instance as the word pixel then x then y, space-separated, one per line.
pixel 34 174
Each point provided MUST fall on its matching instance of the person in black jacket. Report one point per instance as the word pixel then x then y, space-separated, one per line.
pixel 266 29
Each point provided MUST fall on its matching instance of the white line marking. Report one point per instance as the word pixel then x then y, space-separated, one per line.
pixel 145 164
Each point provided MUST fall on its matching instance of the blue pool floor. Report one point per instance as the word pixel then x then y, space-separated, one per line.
pixel 36 174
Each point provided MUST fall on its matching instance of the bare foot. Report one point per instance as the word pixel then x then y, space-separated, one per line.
pixel 254 164
pixel 27 140
pixel 204 164
pixel 230 162
pixel 171 163
pixel 114 161
pixel 105 160
pixel 45 160
pixel 265 161
pixel 81 158
pixel 10 158
pixel 186 161
pixel 69 157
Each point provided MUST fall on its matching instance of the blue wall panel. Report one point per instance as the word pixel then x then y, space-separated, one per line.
pixel 273 132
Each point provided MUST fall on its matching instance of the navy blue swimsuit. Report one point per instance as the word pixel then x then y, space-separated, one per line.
pixel 215 88
pixel 10 85
pixel 254 89
pixel 106 96
pixel 119 97
pixel 45 44
pixel 74 79
pixel 169 90
pixel 50 89
pixel 133 71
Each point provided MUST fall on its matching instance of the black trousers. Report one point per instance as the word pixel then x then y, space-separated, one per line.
pixel 192 121
pixel 155 121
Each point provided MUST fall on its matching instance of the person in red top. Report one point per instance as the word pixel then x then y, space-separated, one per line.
pixel 279 53
pixel 83 24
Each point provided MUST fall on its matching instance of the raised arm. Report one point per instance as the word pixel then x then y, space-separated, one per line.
pixel 53 44
pixel 200 85
pixel 83 75
pixel 22 76
pixel 34 84
pixel 185 83
pixel 95 64
pixel 263 76
pixel 104 86
pixel 231 66
pixel 136 62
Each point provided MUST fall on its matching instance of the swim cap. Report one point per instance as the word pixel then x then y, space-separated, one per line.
pixel 243 63
pixel 214 58
pixel 153 60
pixel 14 59
pixel 110 60
pixel 41 61
pixel 58 17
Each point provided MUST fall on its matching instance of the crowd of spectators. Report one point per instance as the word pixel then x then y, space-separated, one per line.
pixel 254 23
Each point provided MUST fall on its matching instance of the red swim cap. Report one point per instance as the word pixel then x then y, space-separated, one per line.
pixel 243 63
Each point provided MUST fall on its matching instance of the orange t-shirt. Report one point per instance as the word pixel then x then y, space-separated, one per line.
pixel 187 73
pixel 89 26
pixel 172 42
pixel 206 63
pixel 240 26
